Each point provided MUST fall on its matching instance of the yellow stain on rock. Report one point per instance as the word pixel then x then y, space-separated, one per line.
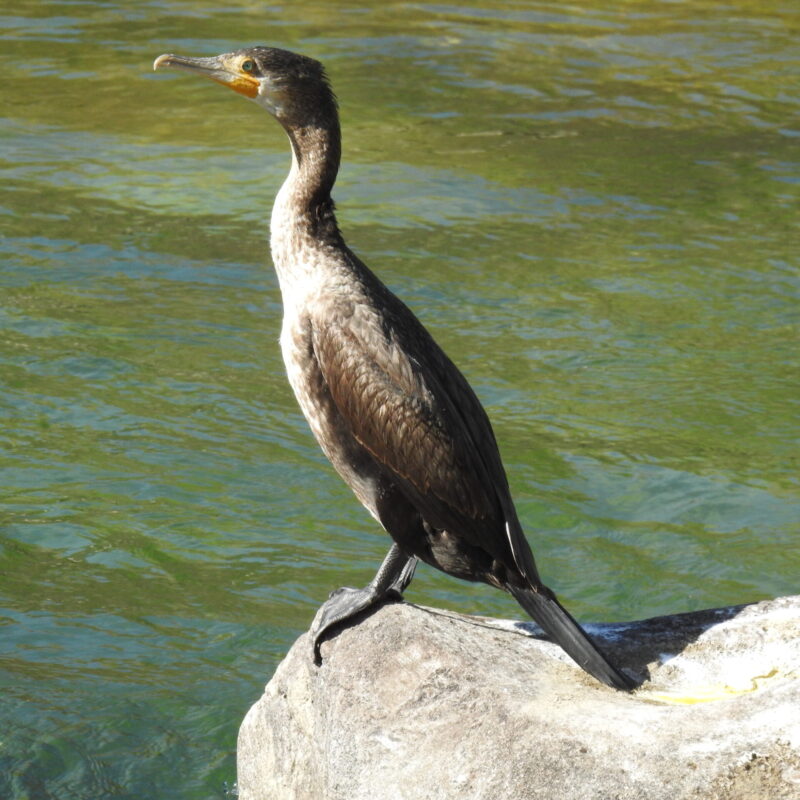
pixel 713 693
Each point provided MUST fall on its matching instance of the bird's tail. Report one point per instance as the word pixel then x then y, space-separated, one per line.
pixel 557 622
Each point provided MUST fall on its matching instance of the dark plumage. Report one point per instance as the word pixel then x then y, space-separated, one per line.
pixel 397 419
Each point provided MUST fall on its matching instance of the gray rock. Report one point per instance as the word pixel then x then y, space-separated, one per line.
pixel 415 703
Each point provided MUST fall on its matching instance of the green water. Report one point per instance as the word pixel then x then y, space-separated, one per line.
pixel 594 211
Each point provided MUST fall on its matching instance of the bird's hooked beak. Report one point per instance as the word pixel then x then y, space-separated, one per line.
pixel 229 69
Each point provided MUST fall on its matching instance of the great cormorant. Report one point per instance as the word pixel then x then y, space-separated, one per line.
pixel 394 415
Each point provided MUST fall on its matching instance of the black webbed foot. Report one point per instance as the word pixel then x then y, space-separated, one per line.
pixel 393 577
pixel 342 605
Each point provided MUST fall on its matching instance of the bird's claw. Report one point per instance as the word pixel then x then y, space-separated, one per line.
pixel 344 604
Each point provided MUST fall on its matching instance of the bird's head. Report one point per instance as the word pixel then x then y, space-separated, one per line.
pixel 292 87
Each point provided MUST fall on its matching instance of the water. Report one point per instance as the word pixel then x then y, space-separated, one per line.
pixel 594 211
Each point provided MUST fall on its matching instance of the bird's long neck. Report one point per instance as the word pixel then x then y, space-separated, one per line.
pixel 303 222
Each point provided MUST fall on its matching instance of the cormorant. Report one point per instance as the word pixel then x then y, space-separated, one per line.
pixel 394 415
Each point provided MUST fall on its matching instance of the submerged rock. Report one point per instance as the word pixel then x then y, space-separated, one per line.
pixel 415 703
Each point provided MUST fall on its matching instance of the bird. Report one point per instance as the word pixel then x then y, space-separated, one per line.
pixel 393 414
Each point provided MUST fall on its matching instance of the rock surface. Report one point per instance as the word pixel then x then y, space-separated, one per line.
pixel 419 704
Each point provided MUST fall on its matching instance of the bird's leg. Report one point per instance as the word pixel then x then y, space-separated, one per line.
pixel 393 576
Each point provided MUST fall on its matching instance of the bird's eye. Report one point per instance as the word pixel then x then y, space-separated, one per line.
pixel 248 65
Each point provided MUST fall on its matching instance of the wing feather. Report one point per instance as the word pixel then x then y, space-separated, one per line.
pixel 394 415
pixel 419 417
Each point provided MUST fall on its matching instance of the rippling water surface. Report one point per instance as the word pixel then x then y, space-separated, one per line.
pixel 594 211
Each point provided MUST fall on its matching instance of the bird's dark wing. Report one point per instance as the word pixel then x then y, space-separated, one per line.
pixel 410 407
pixel 391 411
